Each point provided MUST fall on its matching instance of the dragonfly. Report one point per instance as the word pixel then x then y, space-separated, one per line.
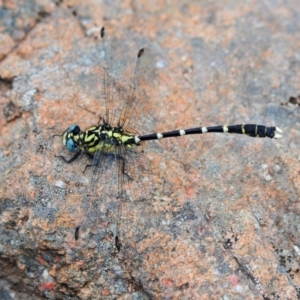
pixel 112 144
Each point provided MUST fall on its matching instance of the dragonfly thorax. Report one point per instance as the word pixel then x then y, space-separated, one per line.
pixel 101 137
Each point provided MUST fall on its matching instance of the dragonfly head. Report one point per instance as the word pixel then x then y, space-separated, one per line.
pixel 71 138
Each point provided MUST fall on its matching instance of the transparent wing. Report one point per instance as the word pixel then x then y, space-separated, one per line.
pixel 120 183
pixel 124 90
pixel 121 180
pixel 109 79
pixel 136 94
pixel 137 190
pixel 103 167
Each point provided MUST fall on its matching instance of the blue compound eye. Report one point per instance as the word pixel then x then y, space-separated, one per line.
pixel 71 145
pixel 74 129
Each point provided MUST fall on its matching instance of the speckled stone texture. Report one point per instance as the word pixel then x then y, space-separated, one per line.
pixel 223 217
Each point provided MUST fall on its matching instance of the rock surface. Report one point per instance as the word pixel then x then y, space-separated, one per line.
pixel 223 218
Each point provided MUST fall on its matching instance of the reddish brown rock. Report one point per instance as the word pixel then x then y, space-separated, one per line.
pixel 222 220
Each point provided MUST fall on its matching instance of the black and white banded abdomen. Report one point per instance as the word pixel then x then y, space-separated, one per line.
pixel 252 130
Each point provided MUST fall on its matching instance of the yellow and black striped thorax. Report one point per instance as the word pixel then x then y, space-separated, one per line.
pixel 101 137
